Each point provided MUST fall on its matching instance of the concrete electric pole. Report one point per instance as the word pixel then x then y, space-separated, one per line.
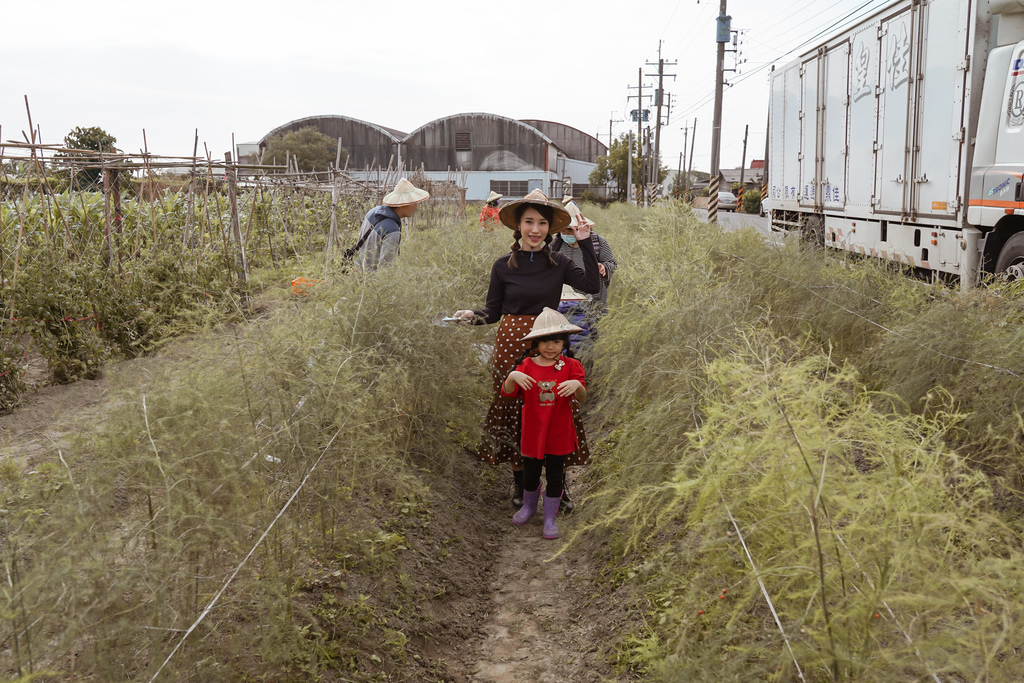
pixel 721 37
pixel 743 164
pixel 659 99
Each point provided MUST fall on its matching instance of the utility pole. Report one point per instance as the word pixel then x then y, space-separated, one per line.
pixel 640 128
pixel 689 171
pixel 721 37
pixel 679 171
pixel 629 167
pixel 682 164
pixel 639 114
pixel 648 158
pixel 611 120
pixel 743 166
pixel 659 98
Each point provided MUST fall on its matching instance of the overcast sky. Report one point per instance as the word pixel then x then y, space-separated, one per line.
pixel 243 68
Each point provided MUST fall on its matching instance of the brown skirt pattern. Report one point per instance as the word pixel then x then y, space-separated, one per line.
pixel 503 429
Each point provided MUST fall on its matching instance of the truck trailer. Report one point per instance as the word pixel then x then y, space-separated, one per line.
pixel 902 138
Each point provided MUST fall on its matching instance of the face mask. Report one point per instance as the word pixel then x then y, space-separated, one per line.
pixel 569 239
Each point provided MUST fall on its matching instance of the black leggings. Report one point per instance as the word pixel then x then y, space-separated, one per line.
pixel 554 464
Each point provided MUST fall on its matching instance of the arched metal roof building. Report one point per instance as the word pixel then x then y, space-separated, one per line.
pixel 367 143
pixel 478 142
pixel 572 141
pixel 497 153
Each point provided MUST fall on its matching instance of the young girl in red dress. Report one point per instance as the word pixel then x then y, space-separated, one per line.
pixel 549 382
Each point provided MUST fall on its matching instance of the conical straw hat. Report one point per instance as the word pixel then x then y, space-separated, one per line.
pixel 551 322
pixel 567 198
pixel 405 193
pixel 493 196
pixel 574 213
pixel 580 219
pixel 560 220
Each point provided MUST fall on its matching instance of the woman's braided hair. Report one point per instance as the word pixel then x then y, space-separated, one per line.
pixel 549 214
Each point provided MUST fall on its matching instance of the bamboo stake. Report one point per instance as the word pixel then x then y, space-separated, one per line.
pixel 241 264
pixel 191 191
pixel 152 209
pixel 106 219
pixel 220 215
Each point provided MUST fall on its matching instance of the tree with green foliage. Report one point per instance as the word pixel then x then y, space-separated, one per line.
pixel 92 138
pixel 311 149
pixel 613 167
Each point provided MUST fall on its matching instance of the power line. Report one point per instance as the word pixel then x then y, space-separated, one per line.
pixel 694 29
pixel 671 17
pixel 859 11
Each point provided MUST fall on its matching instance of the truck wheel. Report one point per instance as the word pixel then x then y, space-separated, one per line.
pixel 1011 257
pixel 814 230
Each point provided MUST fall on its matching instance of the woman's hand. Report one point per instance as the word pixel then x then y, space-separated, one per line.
pixel 464 316
pixel 582 231
pixel 601 269
pixel 566 389
pixel 521 379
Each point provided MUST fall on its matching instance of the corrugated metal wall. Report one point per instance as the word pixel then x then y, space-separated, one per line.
pixel 495 143
pixel 475 142
pixel 368 145
pixel 572 141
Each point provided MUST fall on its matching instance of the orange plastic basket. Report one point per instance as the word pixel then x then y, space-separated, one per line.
pixel 302 285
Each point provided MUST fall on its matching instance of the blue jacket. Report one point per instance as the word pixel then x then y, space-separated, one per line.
pixel 382 244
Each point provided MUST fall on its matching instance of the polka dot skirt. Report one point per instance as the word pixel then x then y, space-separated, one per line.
pixel 502 431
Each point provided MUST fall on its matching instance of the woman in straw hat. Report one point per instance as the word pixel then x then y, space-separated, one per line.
pixel 489 219
pixel 550 385
pixel 381 232
pixel 523 283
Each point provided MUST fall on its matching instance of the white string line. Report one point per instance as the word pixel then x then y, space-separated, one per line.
pixel 237 569
pixel 757 574
pixel 764 591
pixel 879 325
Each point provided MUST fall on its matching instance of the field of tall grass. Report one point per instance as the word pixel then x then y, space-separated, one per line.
pixel 805 468
pixel 810 465
pixel 277 500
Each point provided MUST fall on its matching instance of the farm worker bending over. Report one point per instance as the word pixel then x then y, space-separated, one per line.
pixel 549 382
pixel 489 219
pixel 382 225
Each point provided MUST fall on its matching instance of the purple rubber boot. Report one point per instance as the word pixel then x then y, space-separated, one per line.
pixel 550 511
pixel 530 499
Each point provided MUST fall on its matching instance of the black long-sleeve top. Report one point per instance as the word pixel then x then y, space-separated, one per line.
pixel 536 284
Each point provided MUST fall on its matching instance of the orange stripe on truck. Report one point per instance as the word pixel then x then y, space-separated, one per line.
pixel 996 203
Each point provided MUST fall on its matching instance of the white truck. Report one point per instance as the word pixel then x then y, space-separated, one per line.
pixel 903 138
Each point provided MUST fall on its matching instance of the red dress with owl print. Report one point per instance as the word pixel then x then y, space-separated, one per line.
pixel 548 428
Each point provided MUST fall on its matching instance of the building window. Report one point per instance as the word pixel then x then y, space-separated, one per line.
pixel 511 188
pixel 464 142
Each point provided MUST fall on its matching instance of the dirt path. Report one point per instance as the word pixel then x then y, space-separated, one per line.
pixel 533 632
pixel 540 621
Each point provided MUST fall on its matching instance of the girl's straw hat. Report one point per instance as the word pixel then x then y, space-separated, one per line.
pixel 551 322
pixel 560 220
pixel 493 196
pixel 405 193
